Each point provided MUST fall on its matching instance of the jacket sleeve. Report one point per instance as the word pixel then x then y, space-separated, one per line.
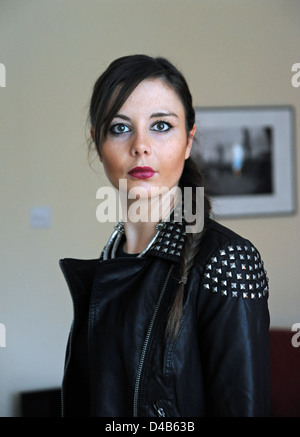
pixel 234 332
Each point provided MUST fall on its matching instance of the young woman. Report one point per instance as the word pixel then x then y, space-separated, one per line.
pixel 166 322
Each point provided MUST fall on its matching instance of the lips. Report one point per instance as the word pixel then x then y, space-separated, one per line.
pixel 142 172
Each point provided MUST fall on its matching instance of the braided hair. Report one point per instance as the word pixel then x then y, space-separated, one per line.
pixel 191 177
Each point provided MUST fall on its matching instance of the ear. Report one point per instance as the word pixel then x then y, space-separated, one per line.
pixel 190 142
pixel 93 134
pixel 93 138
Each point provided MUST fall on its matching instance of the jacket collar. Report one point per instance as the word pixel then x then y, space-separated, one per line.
pixel 170 241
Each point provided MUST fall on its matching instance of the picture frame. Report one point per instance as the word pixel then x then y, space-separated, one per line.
pixel 247 157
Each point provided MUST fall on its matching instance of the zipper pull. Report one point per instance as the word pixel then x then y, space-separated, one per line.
pixel 159 410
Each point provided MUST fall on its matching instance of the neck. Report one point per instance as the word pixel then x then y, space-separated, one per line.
pixel 142 216
pixel 138 236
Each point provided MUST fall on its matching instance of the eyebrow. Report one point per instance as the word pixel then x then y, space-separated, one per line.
pixel 163 114
pixel 123 117
pixel 154 115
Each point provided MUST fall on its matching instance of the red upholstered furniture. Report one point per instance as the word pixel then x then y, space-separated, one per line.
pixel 285 373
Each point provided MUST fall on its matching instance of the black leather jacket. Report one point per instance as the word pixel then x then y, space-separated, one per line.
pixel 118 362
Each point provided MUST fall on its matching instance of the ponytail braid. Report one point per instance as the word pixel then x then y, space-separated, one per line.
pixel 191 177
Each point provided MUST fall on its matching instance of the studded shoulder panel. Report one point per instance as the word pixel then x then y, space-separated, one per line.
pixel 237 271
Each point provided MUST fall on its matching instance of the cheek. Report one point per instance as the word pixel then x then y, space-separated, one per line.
pixel 110 157
pixel 173 166
pixel 176 156
pixel 112 166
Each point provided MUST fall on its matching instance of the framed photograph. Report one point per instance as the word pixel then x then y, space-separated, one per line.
pixel 247 157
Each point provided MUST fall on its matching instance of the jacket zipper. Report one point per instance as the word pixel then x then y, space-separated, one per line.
pixel 145 345
pixel 159 409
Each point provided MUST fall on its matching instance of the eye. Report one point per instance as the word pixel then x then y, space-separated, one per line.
pixel 118 129
pixel 161 126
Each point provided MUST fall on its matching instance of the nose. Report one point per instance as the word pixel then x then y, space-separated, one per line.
pixel 140 144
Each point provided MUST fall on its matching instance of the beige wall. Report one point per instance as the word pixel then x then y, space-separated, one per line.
pixel 232 53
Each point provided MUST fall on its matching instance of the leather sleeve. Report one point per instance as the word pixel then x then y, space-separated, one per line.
pixel 234 332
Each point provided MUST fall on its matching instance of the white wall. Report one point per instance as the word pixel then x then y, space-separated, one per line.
pixel 231 52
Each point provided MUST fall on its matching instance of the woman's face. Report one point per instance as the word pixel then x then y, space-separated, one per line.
pixel 147 142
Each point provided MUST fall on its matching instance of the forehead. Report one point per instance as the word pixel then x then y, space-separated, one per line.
pixel 153 94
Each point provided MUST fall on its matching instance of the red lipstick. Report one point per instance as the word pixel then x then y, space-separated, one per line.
pixel 142 172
